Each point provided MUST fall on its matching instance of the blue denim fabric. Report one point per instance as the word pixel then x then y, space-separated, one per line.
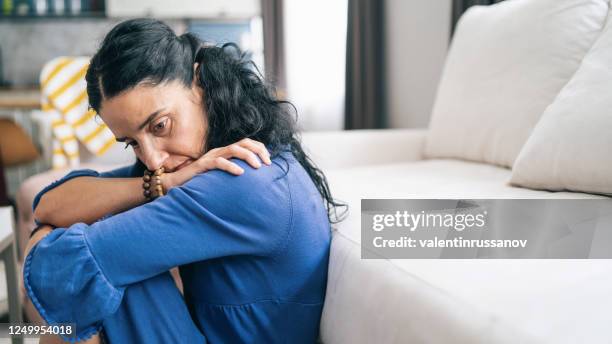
pixel 253 252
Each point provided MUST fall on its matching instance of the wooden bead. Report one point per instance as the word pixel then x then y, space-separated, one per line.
pixel 158 181
pixel 146 177
pixel 146 185
pixel 159 172
pixel 147 193
pixel 147 173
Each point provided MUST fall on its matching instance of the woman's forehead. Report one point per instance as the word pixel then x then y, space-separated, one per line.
pixel 136 104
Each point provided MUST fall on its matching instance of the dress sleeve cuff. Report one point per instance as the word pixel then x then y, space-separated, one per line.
pixel 66 285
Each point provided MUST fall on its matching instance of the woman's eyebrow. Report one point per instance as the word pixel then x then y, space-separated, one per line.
pixel 147 121
pixel 150 118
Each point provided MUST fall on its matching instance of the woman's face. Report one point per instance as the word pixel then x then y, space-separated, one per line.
pixel 165 124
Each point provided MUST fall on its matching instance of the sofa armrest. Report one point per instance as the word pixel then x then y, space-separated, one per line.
pixel 338 149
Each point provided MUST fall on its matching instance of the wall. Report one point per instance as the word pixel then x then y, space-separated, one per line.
pixel 417 36
pixel 27 44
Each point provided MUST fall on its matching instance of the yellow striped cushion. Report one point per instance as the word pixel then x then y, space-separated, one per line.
pixel 64 100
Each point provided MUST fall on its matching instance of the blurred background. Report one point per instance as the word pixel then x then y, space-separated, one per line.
pixel 396 49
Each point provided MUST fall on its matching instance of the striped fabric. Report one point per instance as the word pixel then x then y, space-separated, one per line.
pixel 64 100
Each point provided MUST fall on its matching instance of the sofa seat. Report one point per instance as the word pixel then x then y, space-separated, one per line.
pixel 454 301
pixel 449 179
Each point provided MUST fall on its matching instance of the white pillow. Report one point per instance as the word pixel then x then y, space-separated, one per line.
pixel 507 62
pixel 571 146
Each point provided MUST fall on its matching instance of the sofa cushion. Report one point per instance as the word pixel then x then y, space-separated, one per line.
pixel 570 146
pixel 506 63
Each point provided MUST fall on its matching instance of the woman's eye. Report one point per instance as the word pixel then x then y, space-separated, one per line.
pixel 160 126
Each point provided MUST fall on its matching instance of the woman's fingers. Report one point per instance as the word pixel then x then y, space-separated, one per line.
pixel 218 158
pixel 236 151
pixel 226 165
pixel 257 148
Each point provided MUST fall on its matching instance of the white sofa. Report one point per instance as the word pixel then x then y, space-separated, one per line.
pixel 506 65
pixel 445 301
pixel 523 100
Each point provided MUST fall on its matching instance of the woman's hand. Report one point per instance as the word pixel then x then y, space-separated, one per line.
pixel 218 158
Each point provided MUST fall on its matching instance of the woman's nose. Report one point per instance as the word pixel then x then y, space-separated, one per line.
pixel 153 159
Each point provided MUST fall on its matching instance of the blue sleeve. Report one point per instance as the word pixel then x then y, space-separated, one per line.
pixel 78 274
pixel 122 172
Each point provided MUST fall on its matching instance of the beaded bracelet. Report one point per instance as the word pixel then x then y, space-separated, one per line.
pixel 153 180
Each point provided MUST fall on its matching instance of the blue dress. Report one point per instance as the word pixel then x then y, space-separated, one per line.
pixel 252 252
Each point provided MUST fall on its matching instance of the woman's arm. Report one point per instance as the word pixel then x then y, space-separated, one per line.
pixel 88 198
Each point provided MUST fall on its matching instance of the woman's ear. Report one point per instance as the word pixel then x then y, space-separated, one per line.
pixel 197 90
pixel 194 83
pixel 195 75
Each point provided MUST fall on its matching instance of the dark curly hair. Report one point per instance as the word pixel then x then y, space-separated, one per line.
pixel 239 103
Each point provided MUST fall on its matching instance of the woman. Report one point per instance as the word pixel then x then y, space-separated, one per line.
pixel 251 240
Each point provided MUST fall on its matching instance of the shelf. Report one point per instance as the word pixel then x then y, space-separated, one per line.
pixel 52 16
